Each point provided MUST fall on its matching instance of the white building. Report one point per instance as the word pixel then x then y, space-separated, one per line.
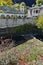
pixel 35 11
pixel 7 11
pixel 31 12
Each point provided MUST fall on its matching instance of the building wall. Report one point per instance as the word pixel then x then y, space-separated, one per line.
pixel 35 12
pixel 41 11
pixel 29 13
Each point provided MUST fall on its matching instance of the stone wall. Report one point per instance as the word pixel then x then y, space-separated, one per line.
pixel 4 23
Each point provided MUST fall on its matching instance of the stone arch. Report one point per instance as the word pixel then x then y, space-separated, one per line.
pixel 2 16
pixel 7 16
pixel 12 16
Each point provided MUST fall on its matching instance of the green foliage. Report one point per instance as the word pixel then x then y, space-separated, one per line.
pixel 31 57
pixel 24 28
pixel 39 2
pixel 39 22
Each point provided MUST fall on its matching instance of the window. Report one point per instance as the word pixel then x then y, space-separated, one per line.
pixel 34 11
pixel 37 11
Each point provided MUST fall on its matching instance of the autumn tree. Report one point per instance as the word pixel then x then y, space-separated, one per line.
pixel 6 2
pixel 39 22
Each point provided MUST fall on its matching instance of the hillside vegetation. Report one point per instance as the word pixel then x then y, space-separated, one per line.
pixel 30 52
